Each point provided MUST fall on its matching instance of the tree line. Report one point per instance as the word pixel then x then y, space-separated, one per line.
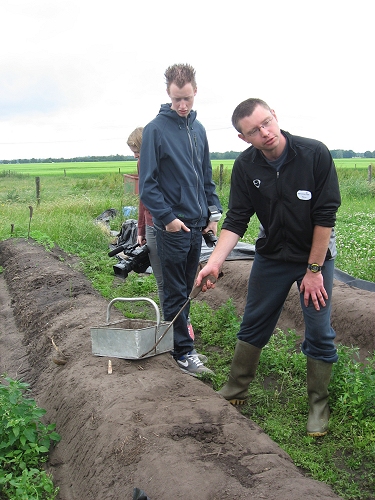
pixel 341 153
pixel 228 155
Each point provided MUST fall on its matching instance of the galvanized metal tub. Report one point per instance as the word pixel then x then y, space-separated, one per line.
pixel 132 338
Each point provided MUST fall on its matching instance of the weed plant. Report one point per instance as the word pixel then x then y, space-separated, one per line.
pixel 344 458
pixel 24 445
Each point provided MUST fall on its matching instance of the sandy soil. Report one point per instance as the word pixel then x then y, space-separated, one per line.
pixel 146 425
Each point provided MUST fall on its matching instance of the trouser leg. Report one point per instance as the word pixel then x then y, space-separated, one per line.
pixel 155 262
pixel 319 334
pixel 321 353
pixel 268 287
pixel 179 254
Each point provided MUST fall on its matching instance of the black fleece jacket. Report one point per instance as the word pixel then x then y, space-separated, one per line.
pixel 289 203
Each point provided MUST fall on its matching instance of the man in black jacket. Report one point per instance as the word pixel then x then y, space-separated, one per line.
pixel 290 183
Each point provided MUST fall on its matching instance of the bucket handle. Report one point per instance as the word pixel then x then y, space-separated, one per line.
pixel 134 299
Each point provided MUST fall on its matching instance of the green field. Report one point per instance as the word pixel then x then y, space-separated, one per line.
pixel 70 168
pixel 355 163
pixel 127 167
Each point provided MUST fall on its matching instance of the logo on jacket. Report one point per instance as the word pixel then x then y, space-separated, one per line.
pixel 303 195
pixel 256 183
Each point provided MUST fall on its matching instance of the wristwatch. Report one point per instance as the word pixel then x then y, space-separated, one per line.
pixel 314 268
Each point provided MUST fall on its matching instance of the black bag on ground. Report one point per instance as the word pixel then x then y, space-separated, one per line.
pixel 128 233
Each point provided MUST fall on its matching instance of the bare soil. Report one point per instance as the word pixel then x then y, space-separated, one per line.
pixel 147 425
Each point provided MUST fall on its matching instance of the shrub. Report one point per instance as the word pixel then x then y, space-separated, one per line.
pixel 24 444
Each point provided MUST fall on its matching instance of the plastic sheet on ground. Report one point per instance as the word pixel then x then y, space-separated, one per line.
pixel 242 251
pixel 245 251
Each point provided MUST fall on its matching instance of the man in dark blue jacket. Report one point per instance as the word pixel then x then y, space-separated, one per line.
pixel 290 183
pixel 175 184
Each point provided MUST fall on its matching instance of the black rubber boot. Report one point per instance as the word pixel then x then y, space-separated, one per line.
pixel 318 377
pixel 242 371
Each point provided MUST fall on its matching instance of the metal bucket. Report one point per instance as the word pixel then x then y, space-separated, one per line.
pixel 132 338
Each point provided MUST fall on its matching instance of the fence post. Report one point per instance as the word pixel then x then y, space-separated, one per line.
pixel 37 182
pixel 221 176
pixel 369 175
pixel 31 216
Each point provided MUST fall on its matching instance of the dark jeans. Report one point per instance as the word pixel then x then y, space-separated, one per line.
pixel 269 285
pixel 179 254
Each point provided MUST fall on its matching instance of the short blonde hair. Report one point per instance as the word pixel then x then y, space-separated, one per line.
pixel 135 139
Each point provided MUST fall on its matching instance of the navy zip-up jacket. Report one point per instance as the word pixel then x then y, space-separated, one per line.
pixel 175 175
pixel 288 203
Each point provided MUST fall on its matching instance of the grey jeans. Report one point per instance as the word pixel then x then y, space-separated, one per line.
pixel 155 262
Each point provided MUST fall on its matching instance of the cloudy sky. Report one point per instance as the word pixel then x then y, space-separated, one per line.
pixel 77 76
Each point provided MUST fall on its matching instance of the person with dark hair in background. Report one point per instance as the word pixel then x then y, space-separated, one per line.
pixel 291 184
pixel 175 183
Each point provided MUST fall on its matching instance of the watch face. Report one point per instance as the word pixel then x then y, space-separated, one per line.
pixel 315 268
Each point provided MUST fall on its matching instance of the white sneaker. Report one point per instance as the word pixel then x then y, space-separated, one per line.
pixel 191 364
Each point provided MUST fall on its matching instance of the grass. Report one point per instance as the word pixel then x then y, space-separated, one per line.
pixel 355 228
pixel 65 216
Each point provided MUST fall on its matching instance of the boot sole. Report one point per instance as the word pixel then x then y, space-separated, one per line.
pixel 236 402
pixel 317 434
pixel 195 374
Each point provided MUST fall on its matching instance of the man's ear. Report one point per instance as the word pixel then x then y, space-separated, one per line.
pixel 195 91
pixel 241 136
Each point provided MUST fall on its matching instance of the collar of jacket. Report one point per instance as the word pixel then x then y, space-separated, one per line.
pixel 166 110
pixel 259 158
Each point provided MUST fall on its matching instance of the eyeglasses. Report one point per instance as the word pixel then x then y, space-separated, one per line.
pixel 256 130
